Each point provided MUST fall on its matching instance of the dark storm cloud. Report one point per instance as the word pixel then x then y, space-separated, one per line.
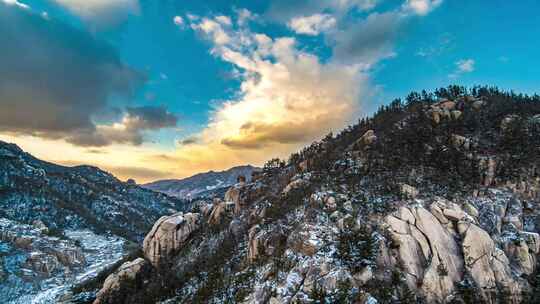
pixel 130 130
pixel 189 140
pixel 54 78
pixel 150 117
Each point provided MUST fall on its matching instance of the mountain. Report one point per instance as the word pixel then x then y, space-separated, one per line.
pixel 202 184
pixel 61 226
pixel 435 199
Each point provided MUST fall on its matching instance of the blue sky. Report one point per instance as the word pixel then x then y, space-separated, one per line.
pixel 160 89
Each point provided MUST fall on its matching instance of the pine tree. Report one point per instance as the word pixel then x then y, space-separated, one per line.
pixel 318 295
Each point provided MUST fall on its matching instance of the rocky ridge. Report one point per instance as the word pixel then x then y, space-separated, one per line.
pixel 432 200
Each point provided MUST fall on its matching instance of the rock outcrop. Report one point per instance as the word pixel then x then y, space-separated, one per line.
pixel 168 235
pixel 220 210
pixel 437 248
pixel 427 249
pixel 368 138
pixel 265 242
pixel 120 286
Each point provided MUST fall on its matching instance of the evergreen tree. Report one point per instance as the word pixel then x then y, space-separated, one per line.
pixel 318 295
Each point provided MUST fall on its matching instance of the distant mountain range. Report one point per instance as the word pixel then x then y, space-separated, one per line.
pixel 202 184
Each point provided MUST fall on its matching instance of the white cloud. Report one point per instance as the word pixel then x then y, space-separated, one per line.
pixel 16 3
pixel 359 4
pixel 192 17
pixel 285 10
pixel 312 25
pixel 287 96
pixel 421 7
pixel 463 66
pixel 212 30
pixel 102 12
pixel 244 16
pixel 178 21
pixel 435 48
pixel 224 20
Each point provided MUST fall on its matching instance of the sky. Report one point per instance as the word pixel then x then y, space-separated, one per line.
pixel 167 88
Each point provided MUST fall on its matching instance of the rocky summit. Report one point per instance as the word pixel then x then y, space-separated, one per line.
pixel 434 199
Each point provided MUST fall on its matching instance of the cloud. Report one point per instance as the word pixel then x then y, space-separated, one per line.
pixel 244 16
pixel 102 12
pixel 255 135
pixel 189 140
pixel 372 39
pixel 312 25
pixel 213 30
pixel 442 44
pixel 178 20
pixel 421 7
pixel 463 66
pixel 224 20
pixel 288 97
pixel 130 130
pixel 369 40
pixel 62 83
pixel 138 173
pixel 16 3
pixel 149 118
pixel 285 10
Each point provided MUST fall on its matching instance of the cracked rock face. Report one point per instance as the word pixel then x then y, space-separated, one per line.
pixel 436 248
pixel 426 248
pixel 168 235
